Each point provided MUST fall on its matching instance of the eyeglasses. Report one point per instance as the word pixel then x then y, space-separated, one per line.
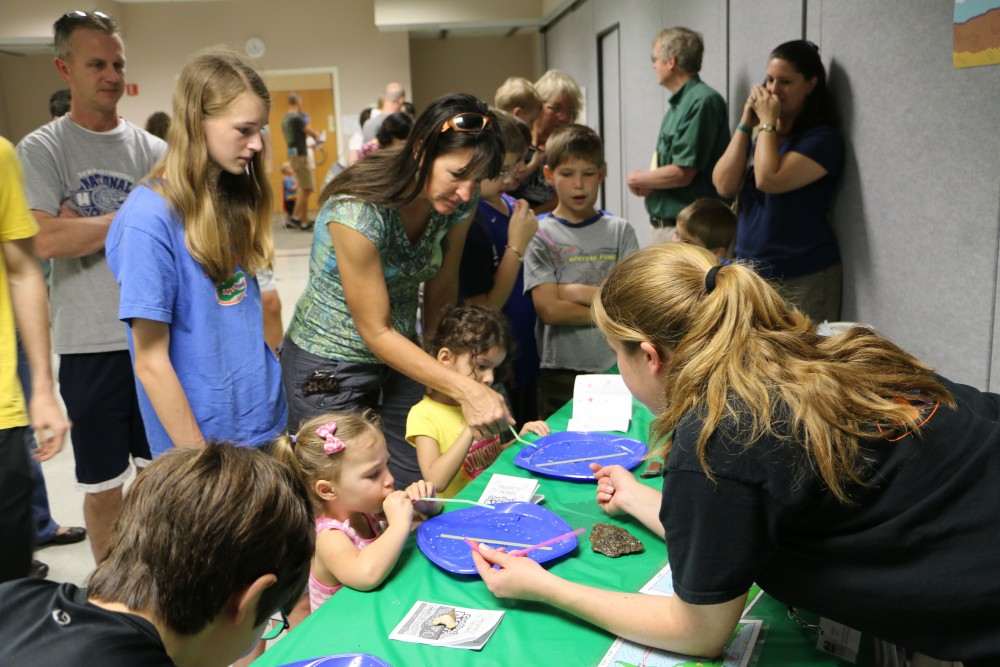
pixel 279 624
pixel 468 122
pixel 558 109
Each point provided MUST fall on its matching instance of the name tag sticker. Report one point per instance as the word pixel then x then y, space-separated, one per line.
pixel 838 640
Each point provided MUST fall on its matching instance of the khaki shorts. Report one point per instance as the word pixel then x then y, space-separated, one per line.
pixel 303 174
pixel 816 294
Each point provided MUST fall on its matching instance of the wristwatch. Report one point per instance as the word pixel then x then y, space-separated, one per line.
pixel 769 127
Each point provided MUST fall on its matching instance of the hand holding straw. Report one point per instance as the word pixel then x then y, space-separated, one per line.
pixel 560 538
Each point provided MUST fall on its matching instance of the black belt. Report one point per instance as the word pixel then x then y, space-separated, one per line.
pixel 662 222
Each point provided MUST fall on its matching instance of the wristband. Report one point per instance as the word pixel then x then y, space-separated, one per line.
pixel 743 128
pixel 517 252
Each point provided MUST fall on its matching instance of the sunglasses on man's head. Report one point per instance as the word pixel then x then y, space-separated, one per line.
pixel 468 122
pixel 78 15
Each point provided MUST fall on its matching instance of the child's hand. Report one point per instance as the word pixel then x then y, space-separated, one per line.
pixel 536 427
pixel 423 489
pixel 398 508
pixel 522 226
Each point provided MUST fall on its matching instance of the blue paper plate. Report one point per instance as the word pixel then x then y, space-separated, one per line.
pixel 510 525
pixel 568 455
pixel 342 660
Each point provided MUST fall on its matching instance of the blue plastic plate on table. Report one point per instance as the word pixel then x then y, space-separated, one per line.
pixel 342 660
pixel 509 525
pixel 568 455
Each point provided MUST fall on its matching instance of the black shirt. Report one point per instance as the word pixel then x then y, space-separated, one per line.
pixel 914 560
pixel 45 623
pixel 479 260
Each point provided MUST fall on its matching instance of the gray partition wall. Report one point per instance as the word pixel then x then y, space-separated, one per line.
pixel 918 209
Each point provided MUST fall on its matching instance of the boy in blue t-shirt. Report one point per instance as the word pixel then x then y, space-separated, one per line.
pixel 573 250
pixel 289 193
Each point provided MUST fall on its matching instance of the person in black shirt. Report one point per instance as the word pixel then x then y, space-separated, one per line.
pixel 210 545
pixel 841 474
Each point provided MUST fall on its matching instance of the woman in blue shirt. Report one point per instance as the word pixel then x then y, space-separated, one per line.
pixel 784 179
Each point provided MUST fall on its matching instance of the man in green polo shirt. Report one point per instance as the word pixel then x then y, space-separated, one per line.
pixel 693 135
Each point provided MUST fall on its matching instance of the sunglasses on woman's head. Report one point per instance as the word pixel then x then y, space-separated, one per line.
pixel 468 122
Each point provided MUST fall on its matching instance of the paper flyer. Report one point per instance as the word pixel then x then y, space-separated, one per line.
pixel 663 584
pixel 600 403
pixel 737 653
pixel 509 489
pixel 473 627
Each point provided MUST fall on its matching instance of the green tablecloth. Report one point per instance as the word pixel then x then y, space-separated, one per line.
pixel 530 633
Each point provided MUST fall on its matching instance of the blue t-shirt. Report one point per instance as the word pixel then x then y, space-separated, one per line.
pixel 789 234
pixel 290 189
pixel 230 376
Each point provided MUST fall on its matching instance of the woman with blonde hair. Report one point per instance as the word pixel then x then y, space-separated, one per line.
pixel 185 248
pixel 840 474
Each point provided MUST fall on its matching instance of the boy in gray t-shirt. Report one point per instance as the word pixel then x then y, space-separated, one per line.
pixel 566 261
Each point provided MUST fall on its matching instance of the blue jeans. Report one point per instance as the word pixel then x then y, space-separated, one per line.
pixel 375 386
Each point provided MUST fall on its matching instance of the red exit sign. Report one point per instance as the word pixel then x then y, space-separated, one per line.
pixel 131 89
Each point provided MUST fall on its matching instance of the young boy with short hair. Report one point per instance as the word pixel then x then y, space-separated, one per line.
pixel 196 567
pixel 708 223
pixel 575 247
pixel 517 96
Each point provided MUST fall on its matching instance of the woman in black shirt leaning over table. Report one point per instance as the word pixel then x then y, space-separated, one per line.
pixel 840 474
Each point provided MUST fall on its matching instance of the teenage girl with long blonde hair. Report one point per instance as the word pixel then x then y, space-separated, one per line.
pixel 840 474
pixel 186 247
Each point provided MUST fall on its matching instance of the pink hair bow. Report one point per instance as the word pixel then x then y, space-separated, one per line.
pixel 333 443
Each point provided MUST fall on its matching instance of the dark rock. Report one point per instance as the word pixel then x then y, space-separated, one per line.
pixel 613 541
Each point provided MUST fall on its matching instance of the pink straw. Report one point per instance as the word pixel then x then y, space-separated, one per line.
pixel 521 552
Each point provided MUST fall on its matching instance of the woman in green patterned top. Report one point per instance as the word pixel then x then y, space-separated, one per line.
pixel 388 223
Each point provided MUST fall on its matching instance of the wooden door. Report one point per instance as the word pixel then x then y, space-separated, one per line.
pixel 316 91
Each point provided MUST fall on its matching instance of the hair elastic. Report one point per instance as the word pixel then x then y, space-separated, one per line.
pixel 710 278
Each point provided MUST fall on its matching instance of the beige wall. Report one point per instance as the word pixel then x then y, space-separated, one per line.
pixel 160 36
pixel 26 82
pixel 407 14
pixel 474 65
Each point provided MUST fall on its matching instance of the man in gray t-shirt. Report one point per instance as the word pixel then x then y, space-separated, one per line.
pixel 78 171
